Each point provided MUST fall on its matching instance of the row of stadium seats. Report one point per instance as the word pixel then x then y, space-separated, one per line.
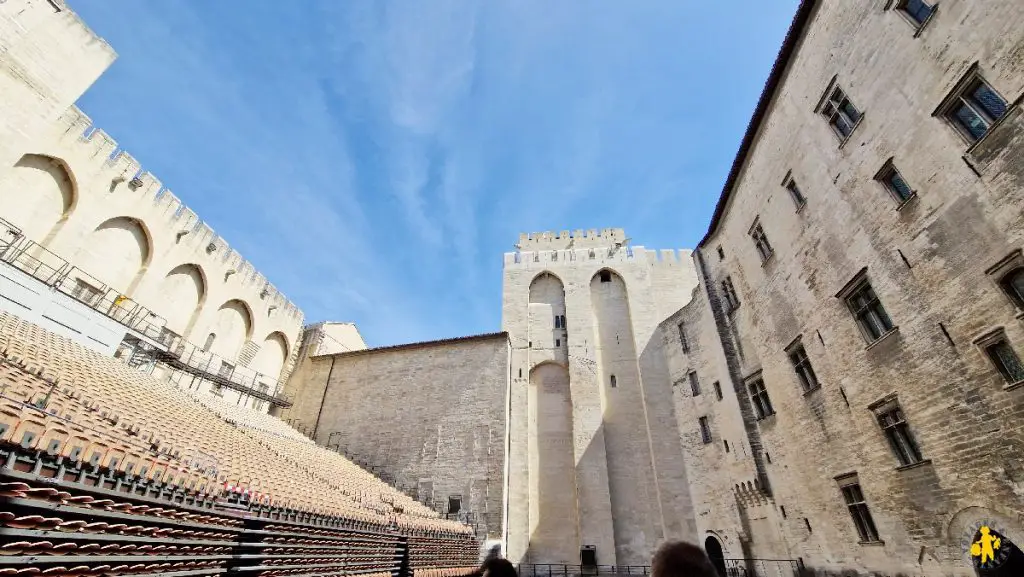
pixel 109 471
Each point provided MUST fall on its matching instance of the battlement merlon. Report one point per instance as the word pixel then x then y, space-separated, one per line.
pixel 75 130
pixel 551 240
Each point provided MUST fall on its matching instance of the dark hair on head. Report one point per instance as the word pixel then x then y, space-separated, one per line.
pixel 679 559
pixel 498 567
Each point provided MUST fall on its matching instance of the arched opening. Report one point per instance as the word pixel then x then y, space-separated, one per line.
pixel 232 326
pixel 636 514
pixel 209 342
pixel 714 550
pixel 548 330
pixel 180 297
pixel 552 466
pixel 270 359
pixel 116 253
pixel 37 195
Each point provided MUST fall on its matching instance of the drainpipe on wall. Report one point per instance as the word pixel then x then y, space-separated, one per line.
pixel 327 385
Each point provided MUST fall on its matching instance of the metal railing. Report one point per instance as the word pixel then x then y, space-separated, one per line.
pixel 171 349
pixel 732 568
pixel 559 570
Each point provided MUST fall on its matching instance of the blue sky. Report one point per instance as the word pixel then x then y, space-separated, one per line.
pixel 375 159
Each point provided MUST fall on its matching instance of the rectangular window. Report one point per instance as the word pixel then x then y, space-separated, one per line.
pixel 558 322
pixel 694 384
pixel 718 390
pixel 705 430
pixel 894 182
pixel 1006 360
pixel 759 398
pixel 729 293
pixel 841 114
pixel 454 504
pixel 764 249
pixel 894 425
pixel 868 311
pixel 974 108
pixel 859 511
pixel 918 10
pixel 682 338
pixel 803 368
pixel 794 193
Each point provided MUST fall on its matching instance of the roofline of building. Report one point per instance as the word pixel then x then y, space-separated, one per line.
pixel 793 37
pixel 423 344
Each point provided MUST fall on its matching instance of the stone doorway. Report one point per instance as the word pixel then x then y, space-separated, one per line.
pixel 714 550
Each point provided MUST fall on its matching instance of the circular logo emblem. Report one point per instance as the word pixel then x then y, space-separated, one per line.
pixel 987 547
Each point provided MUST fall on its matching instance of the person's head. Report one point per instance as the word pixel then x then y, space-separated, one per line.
pixel 679 559
pixel 497 567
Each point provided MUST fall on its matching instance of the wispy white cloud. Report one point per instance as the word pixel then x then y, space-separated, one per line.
pixel 375 159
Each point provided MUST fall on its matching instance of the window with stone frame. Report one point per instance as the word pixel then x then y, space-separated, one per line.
pixel 916 11
pixel 682 338
pixel 1008 275
pixel 891 178
pixel 705 430
pixel 764 248
pixel 759 397
pixel 973 107
pixel 794 192
pixel 718 390
pixel 802 366
pixel 997 348
pixel 1013 284
pixel 732 302
pixel 841 114
pixel 694 383
pixel 866 308
pixel 857 505
pixel 897 432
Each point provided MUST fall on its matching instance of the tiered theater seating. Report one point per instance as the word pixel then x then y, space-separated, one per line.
pixel 107 470
pixel 248 418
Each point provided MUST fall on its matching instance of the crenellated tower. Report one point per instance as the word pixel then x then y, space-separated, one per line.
pixel 591 412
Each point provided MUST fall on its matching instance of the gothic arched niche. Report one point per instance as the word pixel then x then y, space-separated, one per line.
pixel 180 297
pixel 36 194
pixel 272 355
pixel 553 511
pixel 116 253
pixel 630 472
pixel 547 315
pixel 232 326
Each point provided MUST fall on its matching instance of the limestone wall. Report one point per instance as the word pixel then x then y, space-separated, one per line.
pixel 629 478
pixel 428 417
pixel 74 193
pixel 928 261
pixel 48 58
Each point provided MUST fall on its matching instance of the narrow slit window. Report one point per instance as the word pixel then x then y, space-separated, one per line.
pixel 795 194
pixel 705 430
